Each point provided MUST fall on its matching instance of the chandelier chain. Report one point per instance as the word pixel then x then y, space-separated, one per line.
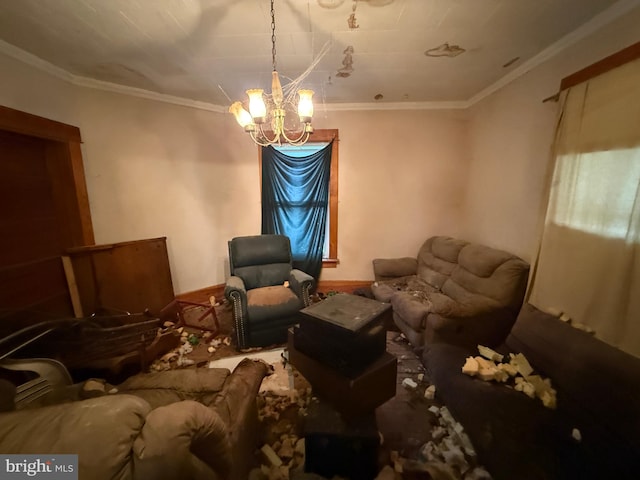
pixel 273 36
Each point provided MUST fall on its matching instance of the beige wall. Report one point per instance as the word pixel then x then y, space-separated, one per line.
pixel 157 169
pixel 401 179
pixel 31 90
pixel 510 137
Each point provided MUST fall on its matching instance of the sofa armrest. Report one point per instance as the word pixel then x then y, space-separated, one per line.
pixel 301 283
pixel 175 432
pixel 484 328
pixel 237 405
pixel 388 268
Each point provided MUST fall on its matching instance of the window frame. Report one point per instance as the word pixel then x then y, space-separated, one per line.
pixel 324 135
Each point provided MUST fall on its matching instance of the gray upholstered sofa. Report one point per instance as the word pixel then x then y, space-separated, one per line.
pixel 454 291
pixel 516 437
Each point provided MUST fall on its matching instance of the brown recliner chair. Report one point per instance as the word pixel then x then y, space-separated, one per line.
pixel 188 424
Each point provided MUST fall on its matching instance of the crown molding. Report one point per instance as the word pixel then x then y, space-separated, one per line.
pixel 612 13
pixel 596 23
pixel 36 62
pixel 147 94
pixel 453 105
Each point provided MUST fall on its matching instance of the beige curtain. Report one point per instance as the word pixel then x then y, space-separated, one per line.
pixel 589 262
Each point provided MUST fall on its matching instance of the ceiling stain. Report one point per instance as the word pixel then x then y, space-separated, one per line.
pixel 445 50
pixel 347 63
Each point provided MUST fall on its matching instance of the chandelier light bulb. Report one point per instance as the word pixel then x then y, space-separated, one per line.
pixel 242 116
pixel 305 106
pixel 275 108
pixel 257 107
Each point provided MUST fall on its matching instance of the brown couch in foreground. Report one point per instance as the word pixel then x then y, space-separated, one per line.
pixel 187 424
pixel 516 437
pixel 454 291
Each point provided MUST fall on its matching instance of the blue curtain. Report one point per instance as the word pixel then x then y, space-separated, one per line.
pixel 295 202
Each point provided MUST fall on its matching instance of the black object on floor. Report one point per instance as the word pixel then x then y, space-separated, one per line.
pixel 345 332
pixel 335 446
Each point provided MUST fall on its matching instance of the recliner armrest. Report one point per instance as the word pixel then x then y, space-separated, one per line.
pixel 235 284
pixel 172 433
pixel 388 268
pixel 301 283
pixel 100 430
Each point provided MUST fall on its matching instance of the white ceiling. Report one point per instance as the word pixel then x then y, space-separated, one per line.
pixel 212 50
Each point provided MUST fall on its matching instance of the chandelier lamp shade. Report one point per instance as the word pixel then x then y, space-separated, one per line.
pixel 265 120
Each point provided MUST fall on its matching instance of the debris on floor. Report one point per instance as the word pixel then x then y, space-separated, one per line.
pixel 281 410
pixel 196 347
pixel 517 374
pixel 445 453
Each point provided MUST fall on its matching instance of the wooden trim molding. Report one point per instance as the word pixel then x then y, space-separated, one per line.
pixel 203 295
pixel 35 126
pixel 615 60
pixel 333 261
pixel 342 286
pixel 66 169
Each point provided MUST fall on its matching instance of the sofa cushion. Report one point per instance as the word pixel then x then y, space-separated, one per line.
pixel 100 431
pixel 437 258
pixel 7 396
pixel 259 250
pixel 382 291
pixel 515 436
pixel 413 285
pixel 487 272
pixel 163 388
pixel 257 276
pixel 266 303
pixel 410 309
pixel 599 382
pixel 260 260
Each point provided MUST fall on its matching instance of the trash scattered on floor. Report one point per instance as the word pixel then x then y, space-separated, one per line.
pixel 285 397
pixel 517 373
pixel 409 383
pixel 191 351
pixel 281 411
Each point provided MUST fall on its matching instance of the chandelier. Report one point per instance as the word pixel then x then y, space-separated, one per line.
pixel 272 113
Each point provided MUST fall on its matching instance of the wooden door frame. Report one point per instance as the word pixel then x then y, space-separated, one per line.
pixel 66 170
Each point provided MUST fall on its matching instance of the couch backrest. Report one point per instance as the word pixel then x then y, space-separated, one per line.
pixel 497 276
pixel 437 258
pixel 598 385
pixel 260 260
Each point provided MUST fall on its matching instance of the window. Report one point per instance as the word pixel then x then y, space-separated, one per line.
pixel 596 191
pixel 319 139
pixel 588 263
